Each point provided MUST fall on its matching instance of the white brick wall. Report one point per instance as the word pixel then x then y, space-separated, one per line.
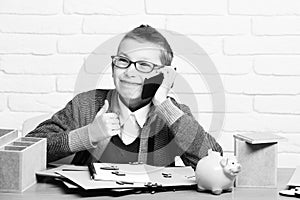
pixel 188 7
pixel 215 25
pixel 272 65
pixel 80 44
pixel 2 102
pixel 43 65
pixel 27 83
pixel 36 7
pixel 276 25
pixel 41 24
pixel 38 103
pixel 264 7
pixel 27 44
pixel 254 44
pixel 108 7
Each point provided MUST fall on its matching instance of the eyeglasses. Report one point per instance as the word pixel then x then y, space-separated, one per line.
pixel 141 66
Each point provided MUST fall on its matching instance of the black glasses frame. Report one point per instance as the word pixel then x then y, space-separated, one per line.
pixel 131 62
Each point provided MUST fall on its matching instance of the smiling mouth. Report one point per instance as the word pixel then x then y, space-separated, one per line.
pixel 131 83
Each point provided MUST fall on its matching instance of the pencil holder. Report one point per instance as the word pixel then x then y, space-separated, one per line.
pixel 20 158
pixel 257 153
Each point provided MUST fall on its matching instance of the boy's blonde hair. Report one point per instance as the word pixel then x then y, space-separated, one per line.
pixel 146 33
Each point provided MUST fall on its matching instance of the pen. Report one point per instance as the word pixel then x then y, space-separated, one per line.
pixel 124 182
pixel 110 168
pixel 73 170
pixel 91 170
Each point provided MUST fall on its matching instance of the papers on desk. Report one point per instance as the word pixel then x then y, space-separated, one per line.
pixel 136 176
pixel 129 173
pixel 82 179
pixel 53 171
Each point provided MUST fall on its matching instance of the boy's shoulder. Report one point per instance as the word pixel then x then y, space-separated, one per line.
pixel 93 94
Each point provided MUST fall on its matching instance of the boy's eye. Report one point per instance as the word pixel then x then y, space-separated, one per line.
pixel 145 64
pixel 124 60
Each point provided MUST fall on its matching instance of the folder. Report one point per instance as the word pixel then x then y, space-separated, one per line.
pixel 136 176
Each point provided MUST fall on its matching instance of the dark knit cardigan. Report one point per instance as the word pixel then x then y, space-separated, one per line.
pixel 160 141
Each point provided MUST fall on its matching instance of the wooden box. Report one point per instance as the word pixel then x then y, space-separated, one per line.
pixel 257 153
pixel 20 158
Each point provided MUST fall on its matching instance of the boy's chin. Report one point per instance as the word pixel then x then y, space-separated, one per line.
pixel 130 98
pixel 130 95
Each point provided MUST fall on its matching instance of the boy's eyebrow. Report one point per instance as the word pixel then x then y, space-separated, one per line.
pixel 124 54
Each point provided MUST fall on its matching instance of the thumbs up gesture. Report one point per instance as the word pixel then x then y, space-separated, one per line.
pixel 104 125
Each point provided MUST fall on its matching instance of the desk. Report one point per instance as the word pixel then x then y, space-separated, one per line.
pixel 41 191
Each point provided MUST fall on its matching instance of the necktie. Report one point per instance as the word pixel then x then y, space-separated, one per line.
pixel 130 130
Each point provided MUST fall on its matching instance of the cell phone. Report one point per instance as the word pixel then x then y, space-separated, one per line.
pixel 151 85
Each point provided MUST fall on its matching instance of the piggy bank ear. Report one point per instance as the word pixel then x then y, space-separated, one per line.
pixel 224 162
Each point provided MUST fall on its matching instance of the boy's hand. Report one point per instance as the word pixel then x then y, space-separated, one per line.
pixel 169 78
pixel 104 125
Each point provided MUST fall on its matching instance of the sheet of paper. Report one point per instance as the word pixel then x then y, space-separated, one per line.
pixel 82 178
pixel 52 172
pixel 133 173
pixel 180 176
pixel 146 173
pixel 69 185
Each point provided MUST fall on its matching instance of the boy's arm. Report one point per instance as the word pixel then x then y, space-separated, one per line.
pixel 65 130
pixel 192 140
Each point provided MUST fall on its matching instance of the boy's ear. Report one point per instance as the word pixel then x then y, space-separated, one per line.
pixel 112 69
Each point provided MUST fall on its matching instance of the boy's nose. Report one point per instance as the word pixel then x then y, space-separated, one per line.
pixel 131 69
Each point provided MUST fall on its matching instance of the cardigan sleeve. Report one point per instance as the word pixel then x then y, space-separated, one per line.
pixel 56 130
pixel 192 141
pixel 66 130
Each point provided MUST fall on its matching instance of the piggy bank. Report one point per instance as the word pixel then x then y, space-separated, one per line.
pixel 216 173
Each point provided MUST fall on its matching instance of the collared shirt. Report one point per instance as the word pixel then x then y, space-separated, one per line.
pixel 138 118
pixel 140 114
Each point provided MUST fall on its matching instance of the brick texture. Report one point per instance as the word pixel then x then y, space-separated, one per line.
pixel 27 44
pixel 31 7
pixel 277 65
pixel 52 50
pixel 38 103
pixel 109 7
pixel 40 24
pixel 277 104
pixel 27 84
pixel 264 7
pixel 262 45
pixel 276 25
pixel 2 102
pixel 43 65
pixel 209 25
pixel 189 7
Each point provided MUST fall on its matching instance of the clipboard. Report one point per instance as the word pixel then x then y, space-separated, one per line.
pixel 156 177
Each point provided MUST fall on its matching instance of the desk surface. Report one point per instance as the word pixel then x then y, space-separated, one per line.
pixel 41 191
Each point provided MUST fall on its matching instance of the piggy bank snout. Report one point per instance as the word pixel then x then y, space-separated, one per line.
pixel 239 167
pixel 231 166
pixel 236 169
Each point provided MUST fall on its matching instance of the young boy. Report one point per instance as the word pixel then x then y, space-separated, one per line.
pixel 119 126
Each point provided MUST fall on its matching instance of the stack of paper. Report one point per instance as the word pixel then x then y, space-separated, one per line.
pixel 132 176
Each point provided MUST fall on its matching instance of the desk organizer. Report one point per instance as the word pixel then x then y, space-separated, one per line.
pixel 20 158
pixel 257 153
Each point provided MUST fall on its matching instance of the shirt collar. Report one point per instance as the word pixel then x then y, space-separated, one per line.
pixel 140 114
